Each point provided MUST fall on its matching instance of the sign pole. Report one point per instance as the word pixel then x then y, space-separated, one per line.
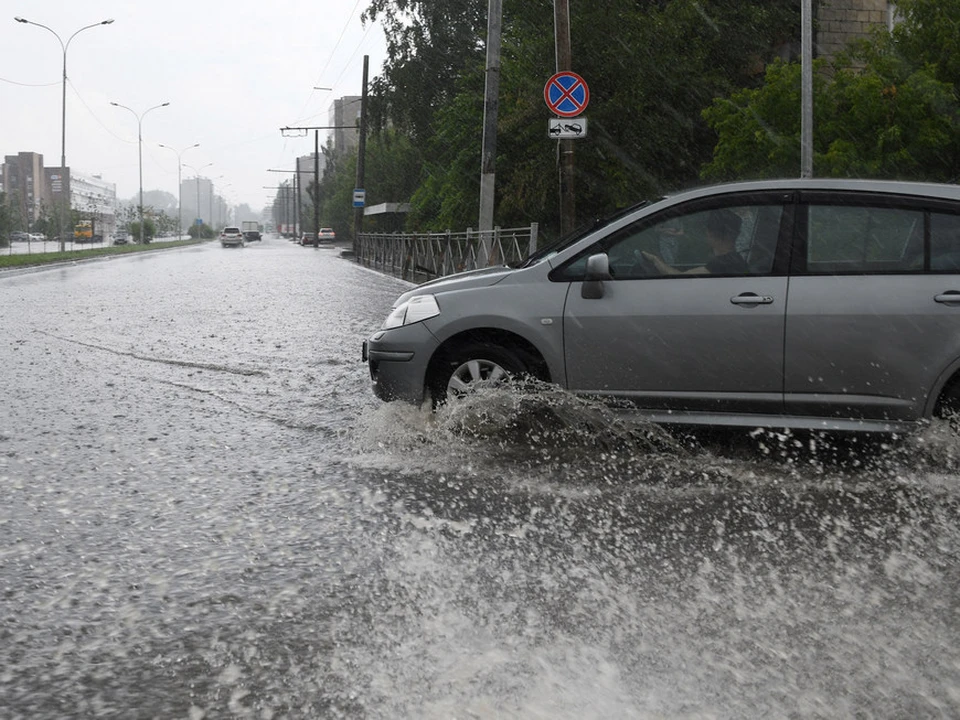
pixel 361 158
pixel 568 214
pixel 488 155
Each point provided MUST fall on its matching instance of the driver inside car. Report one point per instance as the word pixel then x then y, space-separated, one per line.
pixel 723 228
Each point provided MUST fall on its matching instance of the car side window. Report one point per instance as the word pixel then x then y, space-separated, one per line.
pixel 733 240
pixel 863 239
pixel 944 242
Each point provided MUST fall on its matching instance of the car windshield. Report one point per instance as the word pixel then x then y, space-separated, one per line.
pixel 581 232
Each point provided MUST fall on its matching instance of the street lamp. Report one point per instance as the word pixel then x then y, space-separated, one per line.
pixel 197 181
pixel 179 185
pixel 139 118
pixel 63 111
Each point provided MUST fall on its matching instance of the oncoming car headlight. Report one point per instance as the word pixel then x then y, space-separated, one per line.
pixel 421 307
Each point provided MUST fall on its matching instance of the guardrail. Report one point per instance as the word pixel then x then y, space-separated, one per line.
pixel 422 256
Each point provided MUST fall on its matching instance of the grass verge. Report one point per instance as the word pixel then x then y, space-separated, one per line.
pixel 31 260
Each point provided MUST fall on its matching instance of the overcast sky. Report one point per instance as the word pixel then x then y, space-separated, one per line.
pixel 233 72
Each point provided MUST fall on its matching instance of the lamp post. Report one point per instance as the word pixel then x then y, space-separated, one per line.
pixel 63 112
pixel 179 185
pixel 139 118
pixel 196 172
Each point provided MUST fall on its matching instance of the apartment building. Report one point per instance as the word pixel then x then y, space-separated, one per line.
pixel 24 183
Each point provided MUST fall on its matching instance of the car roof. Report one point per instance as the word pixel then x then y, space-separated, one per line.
pixel 893 187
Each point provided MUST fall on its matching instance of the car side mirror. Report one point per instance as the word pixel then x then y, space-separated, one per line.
pixel 598 270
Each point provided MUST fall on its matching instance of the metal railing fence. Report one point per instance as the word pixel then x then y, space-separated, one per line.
pixel 422 256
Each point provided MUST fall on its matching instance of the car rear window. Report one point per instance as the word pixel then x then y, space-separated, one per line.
pixel 231 230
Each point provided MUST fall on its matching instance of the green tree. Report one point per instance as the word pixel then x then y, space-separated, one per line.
pixel 6 220
pixel 886 109
pixel 651 65
pixel 149 229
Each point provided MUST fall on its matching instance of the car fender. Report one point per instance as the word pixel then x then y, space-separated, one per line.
pixel 540 323
pixel 937 388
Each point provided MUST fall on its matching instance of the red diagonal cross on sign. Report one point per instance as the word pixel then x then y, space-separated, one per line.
pixel 566 94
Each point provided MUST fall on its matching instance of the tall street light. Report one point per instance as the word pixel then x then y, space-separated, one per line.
pixel 196 173
pixel 63 113
pixel 179 184
pixel 139 118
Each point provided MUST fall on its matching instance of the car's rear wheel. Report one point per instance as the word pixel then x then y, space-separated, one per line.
pixel 948 405
pixel 474 366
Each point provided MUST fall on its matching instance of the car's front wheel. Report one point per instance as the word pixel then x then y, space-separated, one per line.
pixel 472 367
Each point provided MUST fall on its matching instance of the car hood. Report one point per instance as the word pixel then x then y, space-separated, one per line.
pixel 483 277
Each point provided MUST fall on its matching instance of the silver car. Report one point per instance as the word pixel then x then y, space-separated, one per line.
pixel 231 236
pixel 820 304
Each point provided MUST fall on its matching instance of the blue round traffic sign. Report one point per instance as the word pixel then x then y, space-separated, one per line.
pixel 566 94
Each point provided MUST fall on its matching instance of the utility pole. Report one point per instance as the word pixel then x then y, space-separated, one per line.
pixel 806 90
pixel 296 200
pixel 316 188
pixel 300 132
pixel 568 211
pixel 361 158
pixel 491 104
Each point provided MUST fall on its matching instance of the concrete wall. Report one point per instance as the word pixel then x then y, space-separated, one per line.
pixel 840 21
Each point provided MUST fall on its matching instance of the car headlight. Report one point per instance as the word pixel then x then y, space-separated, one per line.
pixel 414 310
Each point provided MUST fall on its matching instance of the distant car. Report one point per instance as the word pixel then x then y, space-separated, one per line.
pixel 231 236
pixel 120 239
pixel 252 235
pixel 327 235
pixel 19 236
pixel 308 238
pixel 37 237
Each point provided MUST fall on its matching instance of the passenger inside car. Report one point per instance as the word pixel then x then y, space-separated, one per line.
pixel 723 229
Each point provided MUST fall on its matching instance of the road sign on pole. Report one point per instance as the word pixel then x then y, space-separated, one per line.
pixel 567 129
pixel 566 94
pixel 359 197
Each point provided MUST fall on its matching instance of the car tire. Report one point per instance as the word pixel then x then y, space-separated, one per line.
pixel 473 366
pixel 948 404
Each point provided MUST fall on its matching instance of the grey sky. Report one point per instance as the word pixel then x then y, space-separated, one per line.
pixel 233 73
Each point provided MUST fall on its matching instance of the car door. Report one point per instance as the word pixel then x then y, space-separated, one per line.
pixel 689 341
pixel 871 318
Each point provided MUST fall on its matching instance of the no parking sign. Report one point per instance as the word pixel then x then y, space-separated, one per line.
pixel 566 94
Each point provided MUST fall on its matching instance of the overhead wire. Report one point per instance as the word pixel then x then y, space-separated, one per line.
pixel 21 84
pixel 343 31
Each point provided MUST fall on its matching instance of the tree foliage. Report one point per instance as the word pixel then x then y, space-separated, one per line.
pixel 886 109
pixel 651 65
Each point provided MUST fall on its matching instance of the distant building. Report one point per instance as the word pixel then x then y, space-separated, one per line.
pixel 24 185
pixel 345 119
pixel 96 200
pixel 34 191
pixel 197 194
pixel 840 21
pixel 305 164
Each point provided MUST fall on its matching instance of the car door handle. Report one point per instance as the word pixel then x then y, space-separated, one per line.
pixel 749 298
pixel 950 297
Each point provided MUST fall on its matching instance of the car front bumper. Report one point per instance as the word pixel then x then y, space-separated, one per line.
pixel 398 359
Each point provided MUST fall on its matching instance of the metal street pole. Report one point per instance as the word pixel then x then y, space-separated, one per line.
pixel 65 210
pixel 140 149
pixel 806 90
pixel 361 157
pixel 179 186
pixel 286 210
pixel 568 213
pixel 488 155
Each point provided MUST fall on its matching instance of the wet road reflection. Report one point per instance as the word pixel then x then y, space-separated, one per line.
pixel 207 514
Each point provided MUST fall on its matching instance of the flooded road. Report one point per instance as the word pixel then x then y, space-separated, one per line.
pixel 207 514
